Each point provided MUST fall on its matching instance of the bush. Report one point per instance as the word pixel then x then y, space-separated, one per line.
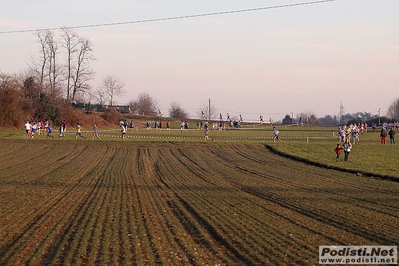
pixel 11 115
pixel 111 116
pixel 86 120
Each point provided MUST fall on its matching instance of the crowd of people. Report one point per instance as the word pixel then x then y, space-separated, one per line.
pixel 352 131
pixel 349 135
pixel 40 128
pixel 158 125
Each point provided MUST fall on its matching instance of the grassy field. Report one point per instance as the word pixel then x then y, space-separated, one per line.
pixel 368 157
pixel 310 144
pixel 169 197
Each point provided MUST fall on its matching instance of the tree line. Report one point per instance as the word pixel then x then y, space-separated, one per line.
pixel 58 77
pixel 346 119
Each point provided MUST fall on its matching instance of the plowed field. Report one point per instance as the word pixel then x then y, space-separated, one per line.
pixel 114 203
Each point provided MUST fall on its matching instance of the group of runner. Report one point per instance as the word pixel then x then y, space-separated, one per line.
pixel 38 128
pixel 32 128
pixel 350 134
pixel 352 131
pixel 346 133
pixel 158 125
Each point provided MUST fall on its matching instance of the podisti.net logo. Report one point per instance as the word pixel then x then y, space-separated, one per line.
pixel 358 255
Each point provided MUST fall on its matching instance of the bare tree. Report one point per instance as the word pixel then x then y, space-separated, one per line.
pixel 327 120
pixel 144 105
pixel 393 110
pixel 42 36
pixel 8 83
pixel 176 111
pixel 100 96
pixel 48 71
pixel 78 71
pixel 82 72
pixel 53 71
pixel 71 41
pixel 41 69
pixel 309 118
pixel 112 86
pixel 207 111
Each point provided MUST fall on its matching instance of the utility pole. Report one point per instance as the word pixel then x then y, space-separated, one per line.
pixel 209 110
pixel 379 116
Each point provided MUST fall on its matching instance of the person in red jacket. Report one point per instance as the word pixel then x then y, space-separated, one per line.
pixel 383 135
pixel 338 151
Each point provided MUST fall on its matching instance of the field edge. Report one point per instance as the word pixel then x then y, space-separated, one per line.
pixel 326 166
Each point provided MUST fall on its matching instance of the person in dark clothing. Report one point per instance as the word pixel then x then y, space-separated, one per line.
pixel 391 134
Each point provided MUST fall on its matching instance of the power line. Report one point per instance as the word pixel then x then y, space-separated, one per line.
pixel 170 18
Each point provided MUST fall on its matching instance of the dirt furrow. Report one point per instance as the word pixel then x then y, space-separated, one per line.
pixel 114 203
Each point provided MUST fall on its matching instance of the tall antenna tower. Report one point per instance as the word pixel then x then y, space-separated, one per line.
pixel 341 111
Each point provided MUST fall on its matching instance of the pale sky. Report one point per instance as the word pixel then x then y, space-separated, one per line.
pixel 269 62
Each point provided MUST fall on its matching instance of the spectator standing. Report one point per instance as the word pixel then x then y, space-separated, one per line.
pixel 383 135
pixel 391 134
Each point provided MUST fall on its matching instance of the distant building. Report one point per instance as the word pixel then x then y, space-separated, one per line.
pixel 341 112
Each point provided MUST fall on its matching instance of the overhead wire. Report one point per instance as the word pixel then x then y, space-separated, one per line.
pixel 169 18
pixel 175 18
